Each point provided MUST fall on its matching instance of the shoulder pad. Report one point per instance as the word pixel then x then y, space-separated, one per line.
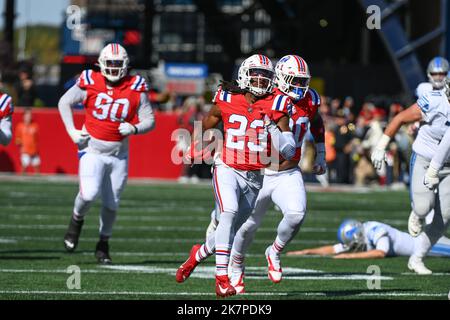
pixel 281 103
pixel 85 79
pixel 222 95
pixel 315 97
pixel 5 101
pixel 139 84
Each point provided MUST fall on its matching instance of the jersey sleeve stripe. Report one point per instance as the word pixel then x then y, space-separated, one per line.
pixel 87 77
pixel 276 103
pixel 227 96
pixel 423 103
pixel 137 83
pixel 4 101
pixel 316 97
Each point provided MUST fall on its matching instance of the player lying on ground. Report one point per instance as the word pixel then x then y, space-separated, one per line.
pixel 111 99
pixel 371 240
pixel 249 112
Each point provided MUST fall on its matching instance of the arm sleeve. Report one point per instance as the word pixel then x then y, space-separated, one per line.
pixel 383 244
pixel 442 153
pixel 318 129
pixel 73 96
pixel 5 130
pixel 282 141
pixel 145 115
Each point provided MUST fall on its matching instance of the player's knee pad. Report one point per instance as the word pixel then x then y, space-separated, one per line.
pixel 248 228
pixel 422 207
pixel 294 219
pixel 89 195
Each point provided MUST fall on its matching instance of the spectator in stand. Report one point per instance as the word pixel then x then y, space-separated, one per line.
pixel 25 89
pixel 344 135
pixel 347 107
pixel 335 105
pixel 157 99
pixel 27 138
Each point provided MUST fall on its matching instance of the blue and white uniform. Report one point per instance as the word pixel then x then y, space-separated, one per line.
pixel 435 109
pixel 423 88
pixel 380 236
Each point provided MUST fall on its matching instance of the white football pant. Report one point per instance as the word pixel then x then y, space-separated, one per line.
pixel 425 200
pixel 105 176
pixel 286 189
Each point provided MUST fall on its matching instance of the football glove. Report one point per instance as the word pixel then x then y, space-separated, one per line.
pixel 320 164
pixel 431 179
pixel 79 137
pixel 379 153
pixel 126 129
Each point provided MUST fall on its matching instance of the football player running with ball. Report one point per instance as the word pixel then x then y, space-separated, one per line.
pixel 111 98
pixel 6 111
pixel 284 185
pixel 249 112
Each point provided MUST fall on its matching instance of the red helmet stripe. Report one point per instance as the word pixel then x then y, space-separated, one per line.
pixel 301 63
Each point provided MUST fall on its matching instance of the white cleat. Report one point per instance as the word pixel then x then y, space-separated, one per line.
pixel 415 224
pixel 416 264
pixel 273 260
pixel 237 281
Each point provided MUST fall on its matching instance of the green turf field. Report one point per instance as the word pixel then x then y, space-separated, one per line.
pixel 156 228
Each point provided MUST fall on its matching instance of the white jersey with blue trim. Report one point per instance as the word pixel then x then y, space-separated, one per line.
pixel 435 121
pixel 383 237
pixel 423 88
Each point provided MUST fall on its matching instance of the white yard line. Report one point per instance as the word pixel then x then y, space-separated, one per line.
pixel 207 272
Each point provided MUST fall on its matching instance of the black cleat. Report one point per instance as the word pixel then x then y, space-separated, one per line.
pixel 72 235
pixel 102 252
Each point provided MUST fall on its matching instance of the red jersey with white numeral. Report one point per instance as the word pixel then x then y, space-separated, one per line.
pixel 107 106
pixel 302 113
pixel 6 106
pixel 245 141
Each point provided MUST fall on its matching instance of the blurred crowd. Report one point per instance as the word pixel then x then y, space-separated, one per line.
pixel 351 134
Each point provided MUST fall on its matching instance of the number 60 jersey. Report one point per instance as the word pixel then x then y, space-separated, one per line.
pixel 108 106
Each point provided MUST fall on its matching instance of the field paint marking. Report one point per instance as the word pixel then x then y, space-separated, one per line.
pixel 7 240
pixel 433 274
pixel 207 272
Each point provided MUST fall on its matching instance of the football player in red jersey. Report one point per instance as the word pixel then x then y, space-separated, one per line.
pixel 248 112
pixel 111 98
pixel 6 111
pixel 283 184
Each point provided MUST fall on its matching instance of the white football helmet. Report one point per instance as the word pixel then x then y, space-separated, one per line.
pixel 447 85
pixel 292 76
pixel 256 75
pixel 351 234
pixel 113 62
pixel 436 72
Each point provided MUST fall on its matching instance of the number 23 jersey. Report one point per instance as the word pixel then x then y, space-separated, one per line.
pixel 107 106
pixel 245 144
